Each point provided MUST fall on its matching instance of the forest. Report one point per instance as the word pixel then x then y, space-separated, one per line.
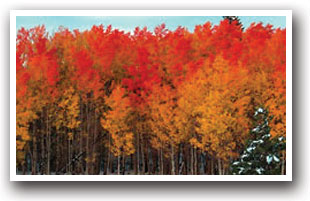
pixel 162 102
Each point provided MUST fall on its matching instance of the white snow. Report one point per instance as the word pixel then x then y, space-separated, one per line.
pixel 259 170
pixel 276 158
pixel 241 170
pixel 266 136
pixel 269 159
pixel 251 148
pixel 244 156
pixel 236 163
pixel 255 129
pixel 259 110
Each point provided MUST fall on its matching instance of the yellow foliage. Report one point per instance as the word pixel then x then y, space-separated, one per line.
pixel 163 116
pixel 69 111
pixel 116 121
pixel 217 113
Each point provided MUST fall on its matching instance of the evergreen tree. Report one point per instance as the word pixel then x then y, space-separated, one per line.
pixel 262 153
pixel 234 19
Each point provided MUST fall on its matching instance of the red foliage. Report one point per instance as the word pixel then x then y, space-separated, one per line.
pixel 90 59
pixel 227 40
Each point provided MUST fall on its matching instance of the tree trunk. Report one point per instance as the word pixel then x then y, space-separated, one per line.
pixel 283 164
pixel 195 161
pixel 138 154
pixel 81 168
pixel 57 154
pixel 123 164
pixel 212 166
pixel 161 162
pixel 172 160
pixel 94 140
pixel 155 159
pixel 177 158
pixel 48 143
pixel 69 156
pixel 87 139
pixel 118 165
pixel 219 166
pixel 192 161
pixel 148 159
pixel 42 162
pixel 198 161
pixel 109 155
pixel 34 151
pixel 142 155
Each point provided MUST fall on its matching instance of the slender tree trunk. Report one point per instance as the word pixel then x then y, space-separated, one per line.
pixel 57 154
pixel 148 159
pixel 172 160
pixel 186 159
pixel 81 168
pixel 155 159
pixel 180 160
pixel 34 150
pixel 158 161
pixel 283 164
pixel 161 162
pixel 118 165
pixel 69 157
pixel 48 143
pixel 87 139
pixel 109 155
pixel 123 164
pixel 111 164
pixel 138 154
pixel 94 140
pixel 192 161
pixel 195 161
pixel 177 157
pixel 212 166
pixel 142 155
pixel 219 166
pixel 42 162
pixel 198 161
pixel 202 161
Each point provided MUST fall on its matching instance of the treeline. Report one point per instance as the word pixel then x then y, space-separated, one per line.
pixel 103 101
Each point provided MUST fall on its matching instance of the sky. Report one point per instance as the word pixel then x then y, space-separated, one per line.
pixel 129 23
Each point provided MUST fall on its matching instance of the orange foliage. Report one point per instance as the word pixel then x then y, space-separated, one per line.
pixel 199 88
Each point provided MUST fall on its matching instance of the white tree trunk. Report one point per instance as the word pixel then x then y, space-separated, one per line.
pixel 172 161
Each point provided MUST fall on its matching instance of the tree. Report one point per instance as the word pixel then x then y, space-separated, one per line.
pixel 67 118
pixel 221 116
pixel 166 137
pixel 262 153
pixel 161 102
pixel 116 122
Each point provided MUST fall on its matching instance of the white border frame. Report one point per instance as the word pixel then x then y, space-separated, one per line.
pixel 286 13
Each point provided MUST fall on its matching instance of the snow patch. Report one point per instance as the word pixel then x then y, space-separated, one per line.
pixel 269 159
pixel 276 158
pixel 255 129
pixel 266 136
pixel 241 170
pixel 259 170
pixel 236 163
pixel 250 149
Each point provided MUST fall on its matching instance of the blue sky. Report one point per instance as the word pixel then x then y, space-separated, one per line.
pixel 128 23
